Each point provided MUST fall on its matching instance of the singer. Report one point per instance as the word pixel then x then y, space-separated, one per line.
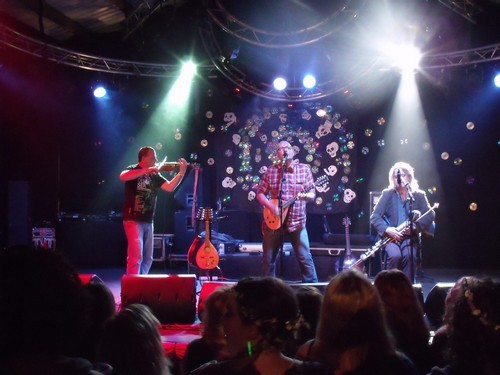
pixel 142 182
pixel 393 209
pixel 290 178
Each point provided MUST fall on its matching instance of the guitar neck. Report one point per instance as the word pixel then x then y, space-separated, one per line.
pixel 207 233
pixel 347 240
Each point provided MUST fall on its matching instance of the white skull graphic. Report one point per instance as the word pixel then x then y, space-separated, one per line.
pixel 251 195
pixel 296 150
pixel 228 182
pixel 324 129
pixel 331 170
pixel 283 117
pixel 263 138
pixel 229 118
pixel 349 195
pixel 263 169
pixel 332 149
pixel 236 139
pixel 306 115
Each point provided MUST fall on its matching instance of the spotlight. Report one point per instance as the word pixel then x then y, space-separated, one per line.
pixel 496 80
pixel 309 81
pixel 99 92
pixel 279 83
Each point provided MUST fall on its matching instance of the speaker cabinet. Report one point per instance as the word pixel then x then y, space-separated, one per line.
pixel 172 298
pixel 434 306
pixel 208 288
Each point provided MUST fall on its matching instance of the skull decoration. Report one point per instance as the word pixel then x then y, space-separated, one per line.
pixel 349 195
pixel 263 169
pixel 228 182
pixel 331 170
pixel 251 195
pixel 283 117
pixel 332 149
pixel 322 188
pixel 324 129
pixel 306 115
pixel 229 118
pixel 236 139
pixel 267 115
pixel 295 149
pixel 263 138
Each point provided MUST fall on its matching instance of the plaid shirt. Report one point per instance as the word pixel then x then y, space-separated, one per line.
pixel 297 178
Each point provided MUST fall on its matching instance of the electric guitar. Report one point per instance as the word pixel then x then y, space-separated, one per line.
pixel 191 254
pixel 273 221
pixel 207 257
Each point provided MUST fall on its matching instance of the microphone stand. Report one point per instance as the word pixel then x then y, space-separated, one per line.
pixel 280 206
pixel 411 221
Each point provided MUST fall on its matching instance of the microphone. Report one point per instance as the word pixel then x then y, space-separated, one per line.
pixel 285 155
pixel 398 174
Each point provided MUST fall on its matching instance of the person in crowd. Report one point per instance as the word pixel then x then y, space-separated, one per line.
pixel 392 214
pixel 142 182
pixel 261 317
pixel 102 306
pixel 405 317
pixel 309 299
pixel 131 343
pixel 212 345
pixel 286 180
pixel 473 329
pixel 43 315
pixel 352 335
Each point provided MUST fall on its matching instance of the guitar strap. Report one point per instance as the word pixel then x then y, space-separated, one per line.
pixel 195 189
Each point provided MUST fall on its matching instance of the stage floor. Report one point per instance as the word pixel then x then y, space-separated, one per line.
pixel 430 277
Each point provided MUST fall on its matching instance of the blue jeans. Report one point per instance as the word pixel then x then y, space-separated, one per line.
pixel 300 243
pixel 140 246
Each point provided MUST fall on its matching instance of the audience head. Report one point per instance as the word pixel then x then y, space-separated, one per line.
pixel 261 314
pixel 351 319
pixel 213 313
pixel 309 299
pixel 43 304
pixel 474 325
pixel 131 343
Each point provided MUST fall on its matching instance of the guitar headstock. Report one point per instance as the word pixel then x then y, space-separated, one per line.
pixel 208 214
pixel 321 180
pixel 346 221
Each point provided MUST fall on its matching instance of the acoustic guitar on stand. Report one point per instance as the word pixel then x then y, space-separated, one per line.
pixel 349 259
pixel 207 257
pixel 273 221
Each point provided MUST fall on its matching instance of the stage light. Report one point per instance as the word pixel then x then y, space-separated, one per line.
pixel 408 58
pixel 309 81
pixel 279 83
pixel 321 112
pixel 99 92
pixel 496 80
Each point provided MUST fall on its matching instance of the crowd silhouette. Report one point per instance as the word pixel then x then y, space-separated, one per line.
pixel 51 322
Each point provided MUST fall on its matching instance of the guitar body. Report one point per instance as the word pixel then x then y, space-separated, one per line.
pixel 191 254
pixel 207 257
pixel 273 221
pixel 349 258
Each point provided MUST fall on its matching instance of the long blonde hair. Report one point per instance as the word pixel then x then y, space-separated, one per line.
pixel 406 169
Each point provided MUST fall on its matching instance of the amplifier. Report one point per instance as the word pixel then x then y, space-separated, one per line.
pixel 256 247
pixel 160 244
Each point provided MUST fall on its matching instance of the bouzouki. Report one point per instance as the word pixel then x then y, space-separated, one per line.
pixel 191 254
pixel 207 257
pixel 273 221
pixel 380 244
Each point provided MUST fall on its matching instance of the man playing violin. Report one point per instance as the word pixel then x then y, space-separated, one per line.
pixel 393 210
pixel 142 181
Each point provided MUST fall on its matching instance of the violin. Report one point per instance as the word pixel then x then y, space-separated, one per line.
pixel 168 166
